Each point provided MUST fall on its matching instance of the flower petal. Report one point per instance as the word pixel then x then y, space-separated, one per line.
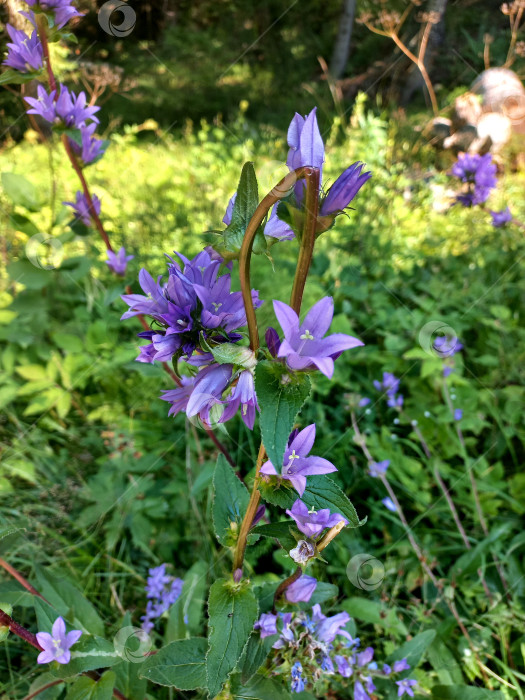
pixel 316 465
pixel 319 318
pixel 268 468
pixel 288 319
pixel 59 629
pixel 303 442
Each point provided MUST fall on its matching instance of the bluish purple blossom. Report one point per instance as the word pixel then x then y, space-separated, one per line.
pixel 405 686
pixel 304 345
pixel 447 346
pixel 24 52
pixel 389 504
pixel 401 665
pixel 67 108
pixel 118 261
pixel 390 385
pixel 43 105
pixel 297 685
pixel 312 523
pixel 364 402
pixel 81 207
pixel 458 414
pixel 359 692
pixel 156 581
pixel 344 189
pixel 242 396
pixel 266 624
pixel 365 657
pixel 301 591
pixel 298 463
pixel 343 666
pixel 327 665
pixel 162 591
pixel 306 147
pixel 92 147
pixel 63 10
pixel 480 173
pixel 499 218
pixel 56 645
pixel 328 628
pixel 377 469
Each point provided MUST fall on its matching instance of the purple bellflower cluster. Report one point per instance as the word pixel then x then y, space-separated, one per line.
pixel 480 174
pixel 24 52
pixel 501 218
pixel 306 148
pixel 315 649
pixel 390 385
pixel 61 10
pixel 56 645
pixel 446 347
pixel 81 208
pixel 162 591
pixel 118 261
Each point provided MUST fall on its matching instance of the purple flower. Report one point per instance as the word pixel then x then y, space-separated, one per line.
pixel 303 552
pixel 73 110
pixel 359 692
pixel 266 624
pixel 301 591
pixel 479 172
pixel 499 218
pixel 344 189
pixel 458 414
pixel 243 395
pixel 287 634
pixel 56 645
pixel 118 261
pixel 92 147
pixel 24 52
pixel 275 228
pixel 447 346
pixel 304 346
pixel 389 504
pixel 272 341
pixel 162 591
pixel 447 371
pixel 306 147
pixel 81 207
pixel 364 402
pixel 297 678
pixel 312 523
pixel 227 218
pixel 377 469
pixel 326 628
pixel 390 385
pixel 387 670
pixel 343 666
pixel 405 686
pixel 177 397
pixel 401 665
pixel 365 657
pixel 63 9
pixel 43 105
pixel 297 465
pixel 327 665
pixel 156 581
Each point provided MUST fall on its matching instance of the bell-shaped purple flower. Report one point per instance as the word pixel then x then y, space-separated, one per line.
pixel 405 686
pixel 312 523
pixel 64 10
pixel 500 218
pixel 328 628
pixel 56 645
pixel 301 591
pixel 72 110
pixel 365 657
pixel 343 666
pixel 298 463
pixel 306 147
pixel 24 52
pixel 179 397
pixel 81 207
pixel 401 665
pixel 276 228
pixel 92 147
pixel 304 346
pixel 243 395
pixel 303 552
pixel 43 105
pixel 266 624
pixel 118 261
pixel 344 189
pixel 389 504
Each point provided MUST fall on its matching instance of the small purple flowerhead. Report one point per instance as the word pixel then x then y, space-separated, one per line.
pixel 298 463
pixel 118 261
pixel 74 111
pixel 24 52
pixel 81 207
pixel 501 218
pixel 405 686
pixel 301 591
pixel 64 10
pixel 447 346
pixel 377 469
pixel 306 147
pixel 401 665
pixel 326 629
pixel 304 345
pixel 312 523
pixel 389 504
pixel 56 645
pixel 91 148
pixel 343 666
pixel 344 189
pixel 479 172
pixel 458 414
pixel 266 624
pixel 298 684
pixel 43 105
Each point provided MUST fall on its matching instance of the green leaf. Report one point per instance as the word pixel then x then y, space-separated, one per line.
pixel 19 222
pixel 181 664
pixel 413 650
pixel 88 654
pixel 89 689
pixel 190 604
pixel 15 77
pixel 255 654
pixel 32 372
pixel 464 692
pixel 245 205
pixel 472 559
pixel 261 688
pixel 32 277
pixel 128 681
pixel 69 602
pixel 232 614
pixel 20 191
pixel 279 531
pixel 230 500
pixel 280 396
pixel 375 613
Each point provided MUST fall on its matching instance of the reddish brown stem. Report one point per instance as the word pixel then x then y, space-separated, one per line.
pixel 7 621
pixel 44 687
pixel 18 576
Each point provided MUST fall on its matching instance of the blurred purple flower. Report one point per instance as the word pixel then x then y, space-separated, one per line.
pixel 297 678
pixel 297 465
pixel 377 469
pixel 64 10
pixel 81 207
pixel 301 591
pixel 365 657
pixel 405 686
pixel 56 645
pixel 304 346
pixel 312 523
pixel 72 110
pixel 401 665
pixel 43 105
pixel 364 402
pixel 447 346
pixel 343 666
pixel 479 172
pixel 458 414
pixel 180 396
pixel 359 692
pixel 118 261
pixel 24 52
pixel 389 504
pixel 500 218
pixel 326 629
pixel 92 147
pixel 156 581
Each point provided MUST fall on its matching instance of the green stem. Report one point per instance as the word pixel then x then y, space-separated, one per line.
pixel 306 250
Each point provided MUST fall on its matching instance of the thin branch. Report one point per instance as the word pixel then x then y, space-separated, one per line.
pixel 21 580
pixel 251 510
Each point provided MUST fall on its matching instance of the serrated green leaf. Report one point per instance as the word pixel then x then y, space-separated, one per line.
pixel 181 664
pixel 230 500
pixel 245 205
pixel 280 396
pixel 232 614
pixel 255 654
pixel 88 689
